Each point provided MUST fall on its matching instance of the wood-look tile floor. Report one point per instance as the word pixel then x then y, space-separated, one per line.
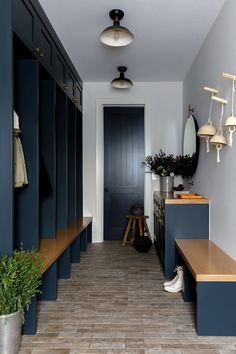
pixel 114 303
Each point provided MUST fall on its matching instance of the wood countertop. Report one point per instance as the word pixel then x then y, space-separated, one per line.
pixel 170 199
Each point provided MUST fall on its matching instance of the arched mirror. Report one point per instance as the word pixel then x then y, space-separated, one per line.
pixel 191 140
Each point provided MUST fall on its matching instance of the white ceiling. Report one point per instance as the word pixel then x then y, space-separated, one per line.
pixel 168 35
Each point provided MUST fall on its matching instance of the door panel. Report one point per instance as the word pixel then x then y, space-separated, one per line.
pixel 123 166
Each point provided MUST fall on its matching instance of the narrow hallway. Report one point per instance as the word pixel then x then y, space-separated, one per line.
pixel 115 303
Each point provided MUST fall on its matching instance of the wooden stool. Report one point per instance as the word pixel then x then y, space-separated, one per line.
pixel 142 224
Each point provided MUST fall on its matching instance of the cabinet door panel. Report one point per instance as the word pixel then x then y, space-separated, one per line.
pixel 25 22
pixel 70 84
pixel 60 70
pixel 46 47
pixel 78 95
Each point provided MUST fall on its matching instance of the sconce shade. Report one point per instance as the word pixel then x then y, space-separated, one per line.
pixel 230 121
pixel 116 35
pixel 121 82
pixel 218 139
pixel 207 130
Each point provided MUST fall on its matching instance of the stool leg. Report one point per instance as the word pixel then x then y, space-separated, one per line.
pixel 133 231
pixel 127 232
pixel 146 227
pixel 140 227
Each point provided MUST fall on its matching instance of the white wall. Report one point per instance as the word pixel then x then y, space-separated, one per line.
pixel 163 130
pixel 216 181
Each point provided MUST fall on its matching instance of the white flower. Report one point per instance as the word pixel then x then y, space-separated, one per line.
pixel 172 174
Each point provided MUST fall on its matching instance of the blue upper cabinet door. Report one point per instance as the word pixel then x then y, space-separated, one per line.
pixel 70 83
pixel 45 47
pixel 60 71
pixel 78 95
pixel 25 22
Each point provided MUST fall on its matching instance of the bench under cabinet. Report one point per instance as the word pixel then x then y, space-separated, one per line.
pixel 210 280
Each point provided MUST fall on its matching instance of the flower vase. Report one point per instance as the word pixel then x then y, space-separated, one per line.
pixel 166 184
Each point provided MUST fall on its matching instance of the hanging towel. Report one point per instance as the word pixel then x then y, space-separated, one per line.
pixel 20 174
pixel 16 120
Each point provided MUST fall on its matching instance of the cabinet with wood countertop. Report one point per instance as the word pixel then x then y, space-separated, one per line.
pixel 177 219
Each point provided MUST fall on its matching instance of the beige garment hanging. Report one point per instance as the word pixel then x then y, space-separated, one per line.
pixel 20 174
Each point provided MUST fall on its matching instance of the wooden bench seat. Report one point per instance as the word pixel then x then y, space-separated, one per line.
pixel 206 261
pixel 51 250
pixel 57 255
pixel 210 279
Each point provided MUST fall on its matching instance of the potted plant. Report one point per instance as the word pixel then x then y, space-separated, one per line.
pixel 167 166
pixel 163 165
pixel 20 278
pixel 185 165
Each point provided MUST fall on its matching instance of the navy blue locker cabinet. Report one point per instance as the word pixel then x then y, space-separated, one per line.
pixel 43 87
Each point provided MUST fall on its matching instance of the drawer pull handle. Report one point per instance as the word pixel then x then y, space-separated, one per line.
pixel 37 50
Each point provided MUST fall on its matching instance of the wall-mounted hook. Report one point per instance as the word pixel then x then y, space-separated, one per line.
pixel 190 110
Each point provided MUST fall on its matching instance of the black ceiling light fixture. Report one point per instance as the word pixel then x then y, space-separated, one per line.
pixel 116 35
pixel 121 82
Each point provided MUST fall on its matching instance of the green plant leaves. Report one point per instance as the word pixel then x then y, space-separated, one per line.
pixel 20 278
pixel 170 165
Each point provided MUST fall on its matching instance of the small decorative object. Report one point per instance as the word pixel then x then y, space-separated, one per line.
pixel 19 282
pixel 179 188
pixel 218 139
pixel 230 121
pixel 142 243
pixel 137 210
pixel 208 130
pixel 167 166
pixel 189 196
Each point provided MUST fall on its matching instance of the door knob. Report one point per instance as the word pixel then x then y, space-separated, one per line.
pixel 106 190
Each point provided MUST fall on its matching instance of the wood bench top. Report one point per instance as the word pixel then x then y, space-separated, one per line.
pixel 51 249
pixel 206 261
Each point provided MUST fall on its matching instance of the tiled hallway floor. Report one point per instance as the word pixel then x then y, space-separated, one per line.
pixel 114 303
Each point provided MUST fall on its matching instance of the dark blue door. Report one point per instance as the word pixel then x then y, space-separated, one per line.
pixel 123 166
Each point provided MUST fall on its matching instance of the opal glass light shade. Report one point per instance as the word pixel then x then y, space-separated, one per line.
pixel 116 35
pixel 121 82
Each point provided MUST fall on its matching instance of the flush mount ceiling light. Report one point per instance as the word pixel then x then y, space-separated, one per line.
pixel 121 82
pixel 116 35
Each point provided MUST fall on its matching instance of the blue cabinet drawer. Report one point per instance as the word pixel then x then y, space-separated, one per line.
pixel 25 22
pixel 45 47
